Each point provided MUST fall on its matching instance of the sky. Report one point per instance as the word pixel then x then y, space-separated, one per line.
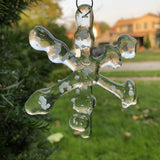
pixel 109 11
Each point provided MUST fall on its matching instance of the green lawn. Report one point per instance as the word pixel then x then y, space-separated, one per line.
pixel 145 56
pixel 61 74
pixel 140 56
pixel 131 73
pixel 110 123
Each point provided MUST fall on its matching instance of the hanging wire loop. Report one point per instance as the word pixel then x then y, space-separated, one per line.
pixel 88 11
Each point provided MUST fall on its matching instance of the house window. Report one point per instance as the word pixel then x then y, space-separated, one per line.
pixel 145 25
pixel 138 26
pixel 153 24
pixel 157 25
pixel 141 26
pixel 127 28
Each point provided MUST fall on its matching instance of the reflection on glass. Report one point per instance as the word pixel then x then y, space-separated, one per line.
pixel 85 62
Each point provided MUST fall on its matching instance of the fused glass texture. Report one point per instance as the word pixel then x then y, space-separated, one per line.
pixel 85 61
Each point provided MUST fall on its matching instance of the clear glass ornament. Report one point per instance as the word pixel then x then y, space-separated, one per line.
pixel 85 61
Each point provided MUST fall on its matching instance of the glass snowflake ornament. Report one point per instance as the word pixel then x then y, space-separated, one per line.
pixel 85 61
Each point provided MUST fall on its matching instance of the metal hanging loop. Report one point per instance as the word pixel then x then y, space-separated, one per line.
pixel 88 11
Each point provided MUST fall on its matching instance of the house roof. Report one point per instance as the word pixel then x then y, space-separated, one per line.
pixel 129 21
pixel 150 14
pixel 124 22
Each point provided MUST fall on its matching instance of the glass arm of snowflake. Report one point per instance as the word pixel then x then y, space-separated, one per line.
pixel 85 61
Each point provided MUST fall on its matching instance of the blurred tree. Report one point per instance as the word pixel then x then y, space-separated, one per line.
pixel 158 33
pixel 73 27
pixel 103 26
pixel 60 32
pixel 10 10
pixel 21 135
pixel 42 13
pixel 158 38
pixel 147 43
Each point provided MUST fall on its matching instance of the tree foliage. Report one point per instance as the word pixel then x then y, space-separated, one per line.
pixel 158 33
pixel 43 13
pixel 20 134
pixel 147 43
pixel 22 71
pixel 10 10
pixel 103 27
pixel 158 37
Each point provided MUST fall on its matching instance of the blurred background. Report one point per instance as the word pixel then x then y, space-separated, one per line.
pixel 113 18
pixel 118 134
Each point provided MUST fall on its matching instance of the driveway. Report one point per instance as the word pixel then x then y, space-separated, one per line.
pixel 136 66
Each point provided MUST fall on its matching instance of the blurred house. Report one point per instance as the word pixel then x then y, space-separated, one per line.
pixel 136 27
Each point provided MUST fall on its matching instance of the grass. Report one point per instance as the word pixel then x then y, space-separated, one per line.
pixel 155 73
pixel 145 56
pixel 110 124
